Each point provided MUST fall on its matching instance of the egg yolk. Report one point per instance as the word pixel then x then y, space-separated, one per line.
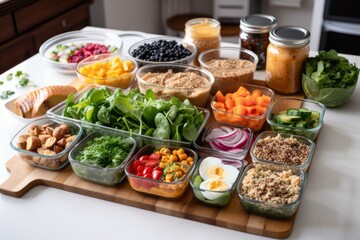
pixel 215 172
pixel 217 185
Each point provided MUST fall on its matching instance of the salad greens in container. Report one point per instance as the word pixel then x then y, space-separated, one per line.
pixel 101 157
pixel 144 117
pixel 329 78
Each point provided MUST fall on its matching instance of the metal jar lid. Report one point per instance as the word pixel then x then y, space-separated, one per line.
pixel 257 23
pixel 289 36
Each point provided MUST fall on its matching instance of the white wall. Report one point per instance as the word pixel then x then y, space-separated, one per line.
pixel 139 15
pixel 289 15
pixel 145 15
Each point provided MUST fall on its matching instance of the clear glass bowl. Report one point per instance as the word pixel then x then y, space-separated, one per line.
pixel 50 45
pixel 283 104
pixel 303 140
pixel 141 139
pixel 159 188
pixel 50 162
pixel 255 123
pixel 269 209
pixel 229 76
pixel 197 96
pixel 123 81
pixel 187 60
pixel 204 149
pixel 97 174
pixel 223 196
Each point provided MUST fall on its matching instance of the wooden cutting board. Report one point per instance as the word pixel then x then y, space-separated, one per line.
pixel 24 177
pixel 233 216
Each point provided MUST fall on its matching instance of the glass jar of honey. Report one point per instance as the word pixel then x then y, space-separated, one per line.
pixel 254 35
pixel 204 33
pixel 285 58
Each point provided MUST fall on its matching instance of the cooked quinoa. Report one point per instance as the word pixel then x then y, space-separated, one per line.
pixel 280 187
pixel 284 150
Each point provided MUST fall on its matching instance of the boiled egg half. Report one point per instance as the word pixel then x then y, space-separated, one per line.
pixel 217 176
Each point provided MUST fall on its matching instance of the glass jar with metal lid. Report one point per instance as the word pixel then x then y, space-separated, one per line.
pixel 285 58
pixel 254 35
pixel 204 33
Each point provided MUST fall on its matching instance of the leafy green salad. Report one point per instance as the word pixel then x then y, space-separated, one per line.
pixel 329 78
pixel 138 113
pixel 105 151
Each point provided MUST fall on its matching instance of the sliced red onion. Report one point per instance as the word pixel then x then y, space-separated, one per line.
pixel 228 139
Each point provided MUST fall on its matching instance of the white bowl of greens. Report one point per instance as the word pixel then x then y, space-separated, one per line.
pixel 329 78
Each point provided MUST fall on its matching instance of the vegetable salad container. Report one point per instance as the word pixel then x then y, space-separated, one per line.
pixel 144 117
pixel 161 170
pixel 101 157
pixel 329 78
pixel 296 116
pixel 224 141
pixel 246 107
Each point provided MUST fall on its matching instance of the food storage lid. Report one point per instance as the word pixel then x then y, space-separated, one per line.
pixel 289 36
pixel 257 23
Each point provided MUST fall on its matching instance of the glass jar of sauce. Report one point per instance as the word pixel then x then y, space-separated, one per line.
pixel 204 33
pixel 254 35
pixel 285 58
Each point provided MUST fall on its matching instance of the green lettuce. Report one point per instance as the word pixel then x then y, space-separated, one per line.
pixel 329 78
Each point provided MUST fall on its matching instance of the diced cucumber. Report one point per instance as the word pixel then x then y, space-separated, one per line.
pixel 286 119
pixel 302 112
pixel 315 115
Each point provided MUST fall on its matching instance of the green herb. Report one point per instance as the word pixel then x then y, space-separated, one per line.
pixel 23 82
pixel 105 151
pixel 6 94
pixel 9 77
pixel 329 78
pixel 1 82
pixel 137 113
pixel 18 73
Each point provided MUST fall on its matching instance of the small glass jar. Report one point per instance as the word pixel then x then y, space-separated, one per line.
pixel 254 35
pixel 285 58
pixel 204 33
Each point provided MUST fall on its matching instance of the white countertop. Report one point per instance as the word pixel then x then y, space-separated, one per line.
pixel 329 208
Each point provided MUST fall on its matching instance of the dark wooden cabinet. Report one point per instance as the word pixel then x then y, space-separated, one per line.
pixel 26 24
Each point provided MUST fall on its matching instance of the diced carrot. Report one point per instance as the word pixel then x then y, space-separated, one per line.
pixel 229 95
pixel 242 91
pixel 220 97
pixel 250 101
pixel 251 111
pixel 240 101
pixel 263 101
pixel 256 93
pixel 219 105
pixel 260 110
pixel 239 109
pixel 229 103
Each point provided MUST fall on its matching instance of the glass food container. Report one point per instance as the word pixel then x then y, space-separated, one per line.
pixel 254 35
pixel 285 57
pixel 204 33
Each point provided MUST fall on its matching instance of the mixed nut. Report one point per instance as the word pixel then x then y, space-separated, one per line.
pixel 48 141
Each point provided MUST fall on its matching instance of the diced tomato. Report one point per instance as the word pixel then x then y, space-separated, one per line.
pixel 152 163
pixel 144 158
pixel 147 170
pixel 156 174
pixel 157 168
pixel 155 156
pixel 148 175
pixel 135 165
pixel 140 169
